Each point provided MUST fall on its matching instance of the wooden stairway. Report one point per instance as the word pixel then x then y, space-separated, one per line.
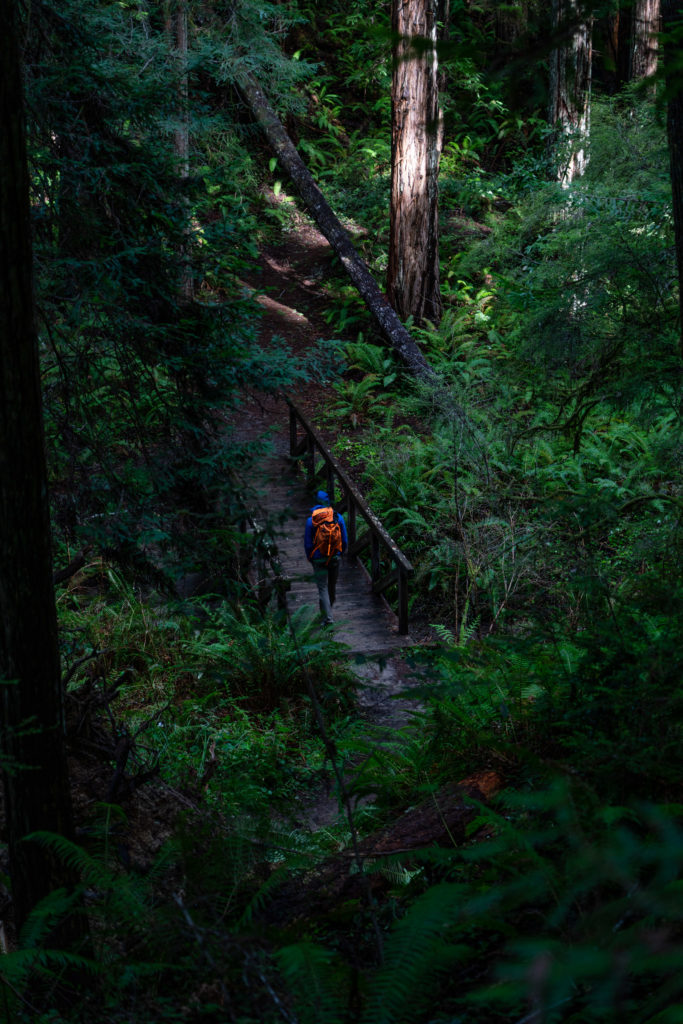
pixel 364 622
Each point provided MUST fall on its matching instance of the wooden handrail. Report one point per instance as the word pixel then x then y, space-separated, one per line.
pixel 376 536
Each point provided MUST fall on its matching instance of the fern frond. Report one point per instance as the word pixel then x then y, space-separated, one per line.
pixel 124 896
pixel 44 916
pixel 16 967
pixel 319 981
pixel 260 898
pixel 416 953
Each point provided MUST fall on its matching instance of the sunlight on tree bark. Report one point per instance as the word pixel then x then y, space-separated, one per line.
pixel 569 92
pixel 413 271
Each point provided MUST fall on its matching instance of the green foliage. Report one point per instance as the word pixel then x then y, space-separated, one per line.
pixel 583 274
pixel 136 375
pixel 416 958
pixel 358 39
pixel 261 659
pixel 319 980
pixel 565 908
pixel 623 725
pixel 35 964
pixel 366 388
pixel 536 489
pixel 215 698
pixel 605 876
pixel 151 956
pixel 372 360
pixel 250 39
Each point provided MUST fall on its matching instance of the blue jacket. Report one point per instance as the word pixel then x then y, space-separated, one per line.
pixel 308 533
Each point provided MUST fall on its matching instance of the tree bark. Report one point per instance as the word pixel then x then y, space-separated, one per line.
pixel 618 46
pixel 36 783
pixel 413 270
pixel 644 46
pixel 672 28
pixel 569 90
pixel 632 41
pixel 385 317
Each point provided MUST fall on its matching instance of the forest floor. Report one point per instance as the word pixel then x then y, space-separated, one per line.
pixel 290 287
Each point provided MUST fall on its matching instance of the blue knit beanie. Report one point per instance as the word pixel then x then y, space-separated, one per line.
pixel 323 497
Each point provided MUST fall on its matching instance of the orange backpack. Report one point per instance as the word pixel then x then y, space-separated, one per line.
pixel 327 538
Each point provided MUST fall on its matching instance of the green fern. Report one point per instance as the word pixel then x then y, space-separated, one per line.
pixel 319 980
pixel 121 896
pixel 34 960
pixel 416 954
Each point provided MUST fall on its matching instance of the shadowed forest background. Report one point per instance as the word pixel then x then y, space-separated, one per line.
pixel 513 852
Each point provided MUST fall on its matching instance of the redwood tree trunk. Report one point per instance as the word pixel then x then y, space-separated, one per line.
pixel 413 271
pixel 569 90
pixel 37 794
pixel 644 45
pixel 618 45
pixel 632 41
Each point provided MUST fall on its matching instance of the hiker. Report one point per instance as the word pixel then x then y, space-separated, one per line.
pixel 325 541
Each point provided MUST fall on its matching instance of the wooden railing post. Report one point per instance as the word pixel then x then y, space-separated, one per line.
pixel 310 459
pixel 402 602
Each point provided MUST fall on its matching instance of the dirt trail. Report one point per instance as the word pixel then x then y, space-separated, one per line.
pixel 291 287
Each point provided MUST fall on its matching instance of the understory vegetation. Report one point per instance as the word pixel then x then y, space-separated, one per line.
pixel 535 488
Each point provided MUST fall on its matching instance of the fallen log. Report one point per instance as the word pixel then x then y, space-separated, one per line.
pixel 385 316
pixel 440 821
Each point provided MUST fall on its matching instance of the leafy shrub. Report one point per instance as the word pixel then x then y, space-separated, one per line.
pixel 261 661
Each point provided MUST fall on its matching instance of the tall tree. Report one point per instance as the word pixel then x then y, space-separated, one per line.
pixel 413 270
pixel 37 795
pixel 672 29
pixel 569 89
pixel 644 45
pixel 632 41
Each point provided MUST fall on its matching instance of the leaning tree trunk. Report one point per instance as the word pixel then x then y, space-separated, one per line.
pixel 413 270
pixel 385 317
pixel 672 24
pixel 36 782
pixel 569 90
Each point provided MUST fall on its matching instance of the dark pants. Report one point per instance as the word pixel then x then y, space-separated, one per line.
pixel 326 582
